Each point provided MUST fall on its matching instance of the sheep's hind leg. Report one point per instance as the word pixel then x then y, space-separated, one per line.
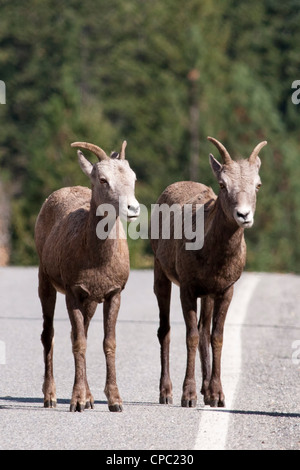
pixel 110 315
pixel 47 294
pixel 189 308
pixel 75 309
pixel 162 290
pixel 89 310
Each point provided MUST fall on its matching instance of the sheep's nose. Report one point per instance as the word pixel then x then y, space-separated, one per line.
pixel 133 210
pixel 243 215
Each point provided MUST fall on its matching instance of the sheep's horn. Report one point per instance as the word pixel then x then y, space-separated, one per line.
pixel 122 153
pixel 256 151
pixel 100 154
pixel 224 153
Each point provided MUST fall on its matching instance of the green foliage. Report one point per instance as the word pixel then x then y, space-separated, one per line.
pixel 162 75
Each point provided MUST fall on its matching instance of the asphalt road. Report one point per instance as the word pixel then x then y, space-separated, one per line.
pixel 261 372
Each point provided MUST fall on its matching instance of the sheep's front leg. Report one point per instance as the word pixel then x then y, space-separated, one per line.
pixel 221 306
pixel 162 289
pixel 189 307
pixel 110 315
pixel 78 337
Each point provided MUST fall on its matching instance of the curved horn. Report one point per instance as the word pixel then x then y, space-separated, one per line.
pixel 256 151
pixel 223 152
pixel 100 154
pixel 122 153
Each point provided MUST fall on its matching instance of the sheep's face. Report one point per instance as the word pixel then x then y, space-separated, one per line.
pixel 239 182
pixel 114 183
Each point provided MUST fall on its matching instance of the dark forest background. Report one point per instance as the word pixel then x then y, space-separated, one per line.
pixel 162 75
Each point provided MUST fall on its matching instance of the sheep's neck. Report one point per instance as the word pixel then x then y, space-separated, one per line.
pixel 98 235
pixel 224 235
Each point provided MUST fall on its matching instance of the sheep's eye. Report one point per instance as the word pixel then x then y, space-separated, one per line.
pixel 222 185
pixel 258 186
pixel 103 180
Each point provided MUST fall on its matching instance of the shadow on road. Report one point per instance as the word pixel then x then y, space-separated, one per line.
pixel 63 401
pixel 276 414
pixel 37 401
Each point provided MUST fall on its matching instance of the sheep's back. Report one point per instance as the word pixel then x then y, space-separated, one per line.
pixel 56 208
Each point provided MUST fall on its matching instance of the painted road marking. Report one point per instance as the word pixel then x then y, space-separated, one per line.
pixel 213 426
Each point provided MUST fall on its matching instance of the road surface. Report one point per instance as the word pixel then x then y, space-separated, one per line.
pixel 261 372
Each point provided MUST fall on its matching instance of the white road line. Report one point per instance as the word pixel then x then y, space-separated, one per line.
pixel 214 422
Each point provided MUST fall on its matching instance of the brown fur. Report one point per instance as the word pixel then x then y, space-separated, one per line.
pixel 88 270
pixel 208 273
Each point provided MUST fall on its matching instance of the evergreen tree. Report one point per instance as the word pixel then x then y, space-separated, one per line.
pixel 163 76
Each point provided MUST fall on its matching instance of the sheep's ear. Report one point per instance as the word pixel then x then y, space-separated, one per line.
pixel 85 165
pixel 215 165
pixel 258 163
pixel 114 155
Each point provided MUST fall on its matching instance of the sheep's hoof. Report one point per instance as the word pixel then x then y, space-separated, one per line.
pixel 115 408
pixel 206 400
pixel 77 407
pixel 50 404
pixel 188 403
pixel 215 402
pixel 165 400
pixel 89 405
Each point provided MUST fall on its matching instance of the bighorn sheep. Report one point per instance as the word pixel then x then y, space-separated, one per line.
pixel 87 269
pixel 208 273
